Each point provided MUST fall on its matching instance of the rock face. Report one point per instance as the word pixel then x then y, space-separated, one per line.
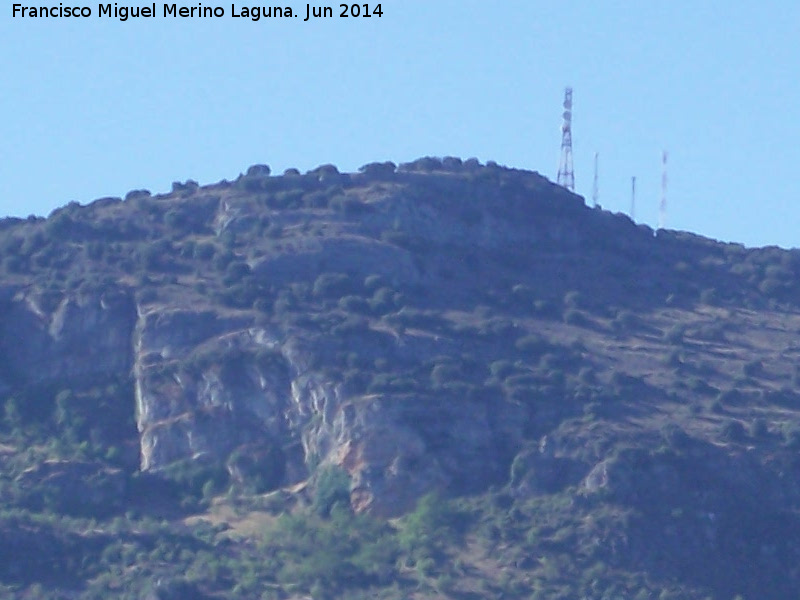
pixel 420 328
pixel 66 338
pixel 215 380
pixel 207 384
pixel 210 387
pixel 207 398
pixel 401 448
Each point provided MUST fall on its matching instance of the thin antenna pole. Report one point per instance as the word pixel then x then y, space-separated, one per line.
pixel 595 190
pixel 662 209
pixel 633 198
pixel 566 172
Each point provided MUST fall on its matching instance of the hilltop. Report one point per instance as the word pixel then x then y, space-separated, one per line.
pixel 443 379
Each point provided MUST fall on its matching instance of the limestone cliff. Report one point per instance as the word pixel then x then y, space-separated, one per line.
pixel 420 327
pixel 211 376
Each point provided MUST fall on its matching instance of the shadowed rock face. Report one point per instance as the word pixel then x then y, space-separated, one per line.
pixel 66 338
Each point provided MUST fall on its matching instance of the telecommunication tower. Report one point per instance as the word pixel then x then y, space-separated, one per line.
pixel 566 173
pixel 662 209
pixel 595 190
pixel 633 198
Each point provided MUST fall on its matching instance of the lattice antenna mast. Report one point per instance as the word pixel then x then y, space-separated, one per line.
pixel 595 189
pixel 566 172
pixel 633 198
pixel 662 209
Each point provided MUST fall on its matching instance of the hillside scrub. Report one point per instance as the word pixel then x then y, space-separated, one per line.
pixel 437 379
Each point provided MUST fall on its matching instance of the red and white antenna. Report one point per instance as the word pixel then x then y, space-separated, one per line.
pixel 566 172
pixel 595 189
pixel 662 208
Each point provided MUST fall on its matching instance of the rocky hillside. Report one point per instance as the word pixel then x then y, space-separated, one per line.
pixel 579 406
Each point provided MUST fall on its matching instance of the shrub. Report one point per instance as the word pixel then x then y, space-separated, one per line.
pixel 675 437
pixel 708 296
pixel 397 238
pixel 373 282
pixel 675 334
pixel 351 207
pixel 434 524
pixel 196 479
pixel 379 170
pixel 759 429
pixel 355 304
pixel 204 251
pixel 425 164
pixel 778 272
pixel 14 264
pixel 152 255
pixel 235 272
pixel 442 374
pixel 274 231
pixel 222 259
pixel 732 431
pixel 501 369
pixel 323 171
pixel 576 318
pixel 472 164
pixel 332 285
pixel 752 368
pixel 95 250
pixel 263 305
pixel 355 381
pixel 383 300
pixel 352 325
pixel 174 219
pixel 285 301
pixel 532 345
pixel 258 171
pixel 771 288
pixel 573 299
pixel 282 200
pixel 240 295
pixel 228 238
pixel 523 294
pixel 625 321
pixel 732 397
pixel 316 199
pixel 332 488
pixel 410 317
pixel 12 417
pixel 545 308
pixel 133 194
pixel 791 435
pixel 61 225
pixel 189 187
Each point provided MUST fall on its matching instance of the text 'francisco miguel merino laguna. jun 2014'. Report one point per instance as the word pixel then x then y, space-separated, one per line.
pixel 254 13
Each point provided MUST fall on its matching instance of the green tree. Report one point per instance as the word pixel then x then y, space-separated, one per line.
pixel 333 487
pixel 433 526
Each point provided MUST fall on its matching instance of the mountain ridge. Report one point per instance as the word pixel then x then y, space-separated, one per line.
pixel 585 389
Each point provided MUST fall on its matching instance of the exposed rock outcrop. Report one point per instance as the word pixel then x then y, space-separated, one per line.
pixel 420 327
pixel 258 392
pixel 46 337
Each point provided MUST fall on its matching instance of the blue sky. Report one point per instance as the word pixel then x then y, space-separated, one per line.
pixel 97 107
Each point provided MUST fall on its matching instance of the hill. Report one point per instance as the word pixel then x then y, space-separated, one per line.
pixel 443 379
